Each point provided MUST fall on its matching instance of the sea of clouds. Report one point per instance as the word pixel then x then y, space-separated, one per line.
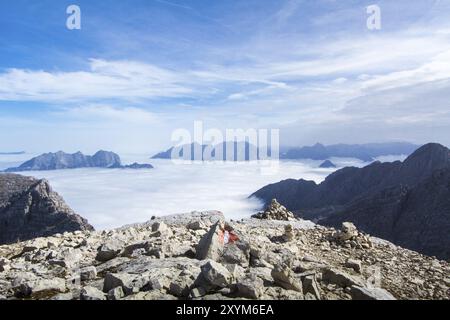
pixel 111 198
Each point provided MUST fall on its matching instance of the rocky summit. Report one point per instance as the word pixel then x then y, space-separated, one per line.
pixel 275 211
pixel 201 256
pixel 29 208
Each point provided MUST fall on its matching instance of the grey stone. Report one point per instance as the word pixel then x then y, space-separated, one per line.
pixel 91 293
pixel 63 297
pixel 196 225
pixel 284 277
pixel 310 286
pixel 128 282
pixel 236 253
pixel 4 264
pixel 340 278
pixel 109 250
pixel 88 273
pixel 197 293
pixel 37 286
pixel 251 287
pixel 211 244
pixel 361 293
pixel 216 274
pixel 116 294
pixel 181 286
pixel 354 264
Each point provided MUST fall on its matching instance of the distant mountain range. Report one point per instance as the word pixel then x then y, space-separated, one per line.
pixel 407 202
pixel 61 160
pixel 226 151
pixel 12 153
pixel 365 152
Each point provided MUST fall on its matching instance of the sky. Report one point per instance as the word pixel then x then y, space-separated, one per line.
pixel 138 70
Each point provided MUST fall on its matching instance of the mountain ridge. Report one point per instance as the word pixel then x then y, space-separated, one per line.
pixel 351 188
pixel 241 151
pixel 61 160
pixel 29 208
pixel 365 152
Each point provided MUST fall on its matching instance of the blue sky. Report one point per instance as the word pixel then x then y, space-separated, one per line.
pixel 138 70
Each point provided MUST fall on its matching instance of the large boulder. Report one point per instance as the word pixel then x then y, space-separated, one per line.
pixel 362 293
pixel 340 278
pixel 250 287
pixel 109 250
pixel 91 293
pixel 128 282
pixel 211 244
pixel 216 274
pixel 40 287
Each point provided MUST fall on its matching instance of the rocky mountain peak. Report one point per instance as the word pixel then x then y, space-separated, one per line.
pixel 433 156
pixel 29 208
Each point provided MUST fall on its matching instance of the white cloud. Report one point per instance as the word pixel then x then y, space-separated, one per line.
pixel 112 198
pixel 105 80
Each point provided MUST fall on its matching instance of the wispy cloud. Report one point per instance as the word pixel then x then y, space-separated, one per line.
pixel 105 80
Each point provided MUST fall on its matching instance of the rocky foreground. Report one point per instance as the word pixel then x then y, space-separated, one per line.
pixel 200 256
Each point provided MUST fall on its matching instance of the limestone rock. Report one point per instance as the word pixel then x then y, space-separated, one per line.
pixel 289 234
pixel 116 294
pixel 41 287
pixel 284 277
pixel 109 250
pixel 348 231
pixel 161 229
pixel 340 278
pixel 197 293
pixel 91 293
pixel 211 244
pixel 251 287
pixel 354 264
pixel 311 287
pixel 361 293
pixel 196 225
pixel 216 274
pixel 128 282
pixel 249 264
pixel 236 253
pixel 4 264
pixel 88 273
